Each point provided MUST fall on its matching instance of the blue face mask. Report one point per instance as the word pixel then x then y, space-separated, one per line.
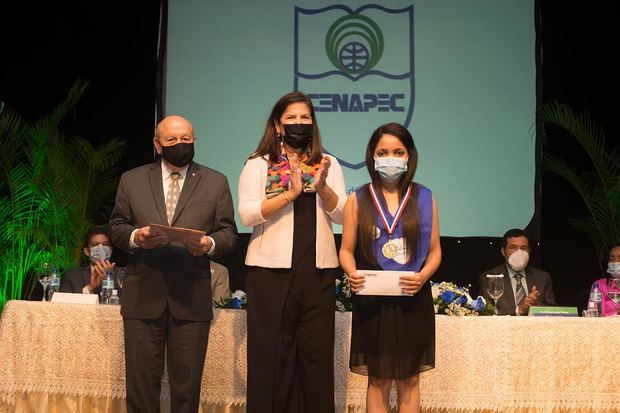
pixel 391 169
pixel 100 252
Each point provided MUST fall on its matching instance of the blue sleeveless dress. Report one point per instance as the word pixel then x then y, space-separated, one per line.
pixel 394 337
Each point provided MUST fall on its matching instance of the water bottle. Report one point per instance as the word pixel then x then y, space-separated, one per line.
pixel 596 299
pixel 106 288
pixel 114 299
pixel 54 284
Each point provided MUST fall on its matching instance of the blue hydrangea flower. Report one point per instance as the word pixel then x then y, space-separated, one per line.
pixel 478 304
pixel 448 296
pixel 462 300
pixel 236 303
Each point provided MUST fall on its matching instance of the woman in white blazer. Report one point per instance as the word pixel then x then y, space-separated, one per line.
pixel 290 192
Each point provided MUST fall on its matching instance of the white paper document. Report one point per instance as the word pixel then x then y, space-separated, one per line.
pixel 382 282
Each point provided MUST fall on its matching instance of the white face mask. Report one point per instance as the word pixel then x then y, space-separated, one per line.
pixel 613 268
pixel 100 252
pixel 391 169
pixel 518 260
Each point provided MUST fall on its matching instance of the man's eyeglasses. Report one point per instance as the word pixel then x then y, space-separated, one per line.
pixel 171 140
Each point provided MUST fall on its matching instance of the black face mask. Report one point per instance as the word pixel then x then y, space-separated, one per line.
pixel 178 155
pixel 298 135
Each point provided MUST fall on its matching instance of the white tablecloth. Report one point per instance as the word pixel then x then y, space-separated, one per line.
pixel 75 352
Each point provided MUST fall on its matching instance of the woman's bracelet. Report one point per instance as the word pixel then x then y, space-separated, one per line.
pixel 331 192
pixel 287 198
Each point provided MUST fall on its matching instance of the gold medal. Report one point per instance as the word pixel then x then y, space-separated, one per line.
pixel 389 249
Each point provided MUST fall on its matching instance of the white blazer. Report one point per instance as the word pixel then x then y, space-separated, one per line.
pixel 271 244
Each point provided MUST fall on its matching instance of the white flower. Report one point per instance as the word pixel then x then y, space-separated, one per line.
pixel 455 309
pixel 435 290
pixel 340 306
pixel 346 289
pixel 239 295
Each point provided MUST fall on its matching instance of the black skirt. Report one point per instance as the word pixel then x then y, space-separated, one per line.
pixel 392 337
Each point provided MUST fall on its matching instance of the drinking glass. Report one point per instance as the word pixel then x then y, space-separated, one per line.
pixel 590 312
pixel 120 276
pixel 43 272
pixel 495 287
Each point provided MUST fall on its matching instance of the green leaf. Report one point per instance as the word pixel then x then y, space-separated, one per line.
pixel 599 189
pixel 53 189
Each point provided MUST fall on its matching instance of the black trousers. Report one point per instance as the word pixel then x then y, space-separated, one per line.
pixel 146 343
pixel 290 340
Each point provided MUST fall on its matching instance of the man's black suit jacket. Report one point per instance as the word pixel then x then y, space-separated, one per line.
pixel 533 277
pixel 169 275
pixel 75 279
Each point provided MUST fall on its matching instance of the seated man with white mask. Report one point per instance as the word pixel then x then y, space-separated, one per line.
pixel 519 278
pixel 88 279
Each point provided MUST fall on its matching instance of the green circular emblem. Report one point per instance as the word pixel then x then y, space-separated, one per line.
pixel 354 43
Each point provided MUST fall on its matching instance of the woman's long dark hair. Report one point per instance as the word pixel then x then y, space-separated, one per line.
pixel 270 143
pixel 368 213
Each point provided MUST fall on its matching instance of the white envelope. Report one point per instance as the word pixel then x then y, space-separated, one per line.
pixel 383 282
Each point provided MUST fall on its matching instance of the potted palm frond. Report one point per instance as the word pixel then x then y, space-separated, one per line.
pixel 598 186
pixel 52 188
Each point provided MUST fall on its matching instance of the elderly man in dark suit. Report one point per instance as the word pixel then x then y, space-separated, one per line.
pixel 88 279
pixel 519 278
pixel 167 289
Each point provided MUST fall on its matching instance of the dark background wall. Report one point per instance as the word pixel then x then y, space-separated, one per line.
pixel 46 47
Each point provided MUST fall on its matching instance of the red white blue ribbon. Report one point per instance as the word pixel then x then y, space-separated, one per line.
pixel 403 202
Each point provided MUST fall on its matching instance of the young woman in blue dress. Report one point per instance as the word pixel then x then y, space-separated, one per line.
pixel 391 224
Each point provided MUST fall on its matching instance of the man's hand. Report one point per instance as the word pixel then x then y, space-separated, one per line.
pixel 98 273
pixel 145 240
pixel 410 283
pixel 530 300
pixel 198 247
pixel 356 281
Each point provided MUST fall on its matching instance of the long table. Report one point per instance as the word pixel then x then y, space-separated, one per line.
pixel 70 357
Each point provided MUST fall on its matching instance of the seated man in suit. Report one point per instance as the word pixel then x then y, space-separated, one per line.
pixel 87 280
pixel 220 285
pixel 519 278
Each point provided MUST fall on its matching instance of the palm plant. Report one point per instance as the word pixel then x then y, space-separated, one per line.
pixel 52 188
pixel 599 187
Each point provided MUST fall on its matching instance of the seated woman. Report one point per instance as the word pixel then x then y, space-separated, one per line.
pixel 613 275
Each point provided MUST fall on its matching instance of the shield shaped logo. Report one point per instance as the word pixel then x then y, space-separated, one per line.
pixel 357 67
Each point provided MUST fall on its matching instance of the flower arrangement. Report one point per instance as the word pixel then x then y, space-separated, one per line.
pixel 238 300
pixel 343 294
pixel 448 298
pixel 451 299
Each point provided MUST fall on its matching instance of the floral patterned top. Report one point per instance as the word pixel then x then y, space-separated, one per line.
pixel 279 175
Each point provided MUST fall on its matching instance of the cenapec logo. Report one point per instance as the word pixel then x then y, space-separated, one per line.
pixel 354 44
pixel 357 67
